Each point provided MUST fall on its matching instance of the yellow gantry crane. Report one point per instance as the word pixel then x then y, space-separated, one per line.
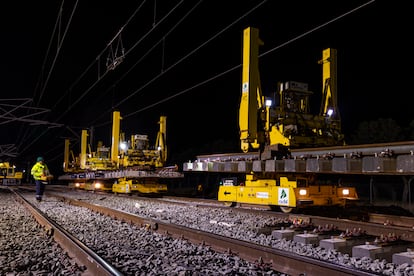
pixel 274 130
pixel 9 175
pixel 126 166
pixel 137 152
pixel 291 124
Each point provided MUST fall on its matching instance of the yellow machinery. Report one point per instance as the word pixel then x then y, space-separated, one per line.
pixel 144 186
pixel 96 185
pixel 145 162
pixel 83 171
pixel 127 166
pixel 290 124
pixel 9 175
pixel 137 152
pixel 98 160
pixel 275 130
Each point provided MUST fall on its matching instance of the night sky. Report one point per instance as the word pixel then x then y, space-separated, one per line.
pixel 183 61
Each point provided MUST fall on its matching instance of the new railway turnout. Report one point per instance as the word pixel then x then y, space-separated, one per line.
pixel 257 236
pixel 393 159
pixel 323 176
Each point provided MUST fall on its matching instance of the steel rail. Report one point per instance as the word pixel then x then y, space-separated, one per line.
pixel 279 260
pixel 377 224
pixel 365 149
pixel 374 229
pixel 93 262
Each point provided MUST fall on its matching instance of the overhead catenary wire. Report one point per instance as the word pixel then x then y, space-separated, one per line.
pixel 39 81
pixel 97 58
pixel 165 71
pixel 59 47
pixel 232 68
pixel 78 80
pixel 162 40
pixel 106 72
pixel 93 85
pixel 317 28
pixel 239 65
pixel 227 70
pixel 186 56
pixel 39 84
pixel 191 53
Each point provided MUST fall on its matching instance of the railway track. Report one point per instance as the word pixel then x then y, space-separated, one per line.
pixel 374 224
pixel 94 264
pixel 397 148
pixel 279 260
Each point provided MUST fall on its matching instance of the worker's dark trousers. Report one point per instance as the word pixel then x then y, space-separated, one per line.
pixel 40 187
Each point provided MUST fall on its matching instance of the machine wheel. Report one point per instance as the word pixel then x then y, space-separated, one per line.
pixel 286 209
pixel 229 204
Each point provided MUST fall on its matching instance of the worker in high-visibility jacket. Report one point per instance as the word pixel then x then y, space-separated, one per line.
pixel 40 173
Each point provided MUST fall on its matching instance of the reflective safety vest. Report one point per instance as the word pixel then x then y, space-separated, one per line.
pixel 39 171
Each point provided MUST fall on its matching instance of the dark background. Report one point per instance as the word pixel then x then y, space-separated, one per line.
pixel 196 63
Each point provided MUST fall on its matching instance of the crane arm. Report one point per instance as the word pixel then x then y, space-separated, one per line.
pixel 251 100
pixel 329 103
pixel 160 143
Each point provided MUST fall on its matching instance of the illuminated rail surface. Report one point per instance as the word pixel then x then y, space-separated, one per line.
pixel 282 261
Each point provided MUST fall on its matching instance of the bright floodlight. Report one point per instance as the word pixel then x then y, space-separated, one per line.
pixel 268 103
pixel 330 112
pixel 123 146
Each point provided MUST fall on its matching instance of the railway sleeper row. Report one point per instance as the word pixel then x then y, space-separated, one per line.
pixel 230 262
pixel 278 259
pixel 261 253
